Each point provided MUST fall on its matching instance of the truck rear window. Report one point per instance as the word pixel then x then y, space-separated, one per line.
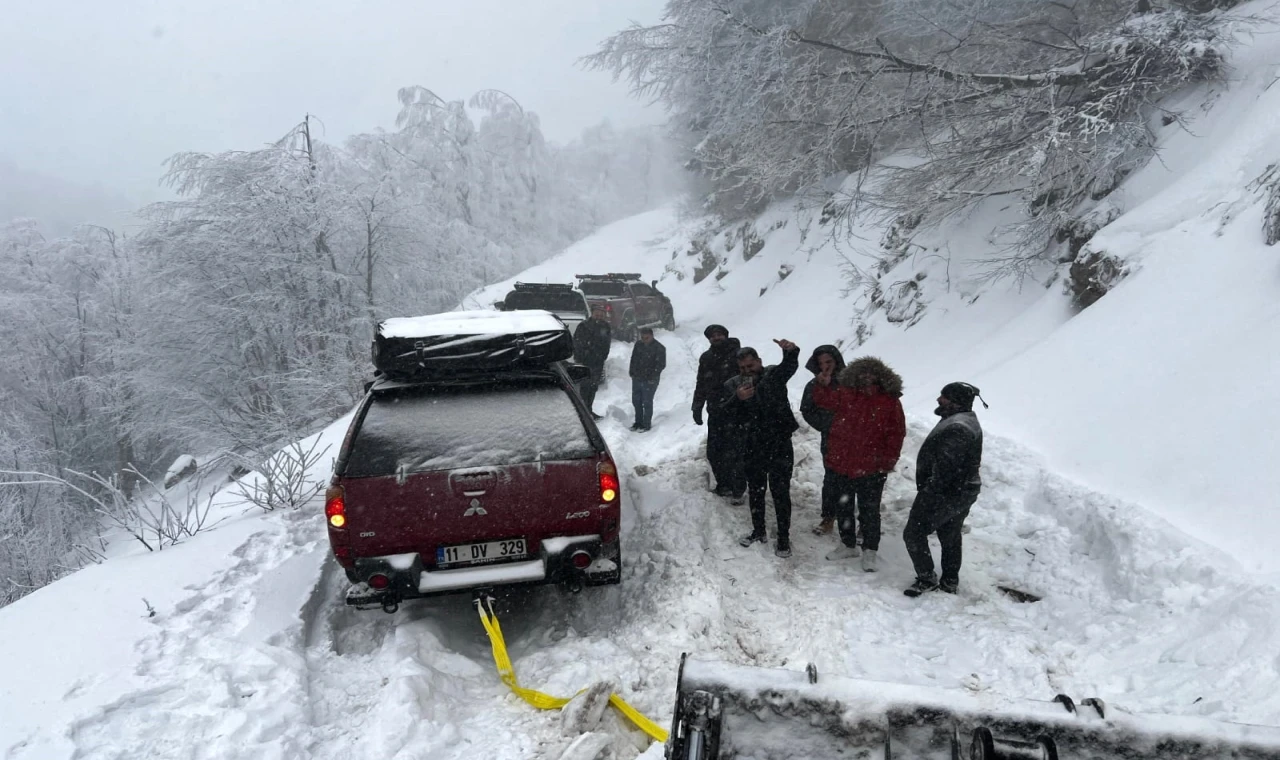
pixel 437 429
pixel 549 301
pixel 603 288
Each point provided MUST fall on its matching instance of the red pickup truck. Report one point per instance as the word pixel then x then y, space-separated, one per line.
pixel 629 302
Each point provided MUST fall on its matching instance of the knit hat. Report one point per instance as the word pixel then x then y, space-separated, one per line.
pixel 962 395
pixel 713 329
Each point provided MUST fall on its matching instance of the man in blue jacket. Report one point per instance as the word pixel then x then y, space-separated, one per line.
pixel 648 359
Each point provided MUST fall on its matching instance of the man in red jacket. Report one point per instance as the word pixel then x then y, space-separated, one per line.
pixel 864 444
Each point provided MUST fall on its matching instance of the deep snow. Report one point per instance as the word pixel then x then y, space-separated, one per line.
pixel 1129 480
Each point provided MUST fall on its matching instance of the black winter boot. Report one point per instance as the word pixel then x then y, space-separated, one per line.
pixel 783 549
pixel 753 538
pixel 922 585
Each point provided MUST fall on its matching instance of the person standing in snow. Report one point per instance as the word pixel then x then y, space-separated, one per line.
pixel 865 441
pixel 757 400
pixel 947 485
pixel 648 359
pixel 826 360
pixel 591 342
pixel 724 445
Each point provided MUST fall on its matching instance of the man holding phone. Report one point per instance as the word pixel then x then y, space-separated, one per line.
pixel 757 401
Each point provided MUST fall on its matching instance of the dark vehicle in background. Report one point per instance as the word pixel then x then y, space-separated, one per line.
pixel 464 480
pixel 561 299
pixel 629 303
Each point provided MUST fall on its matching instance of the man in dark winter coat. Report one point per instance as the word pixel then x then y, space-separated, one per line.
pixel 826 360
pixel 864 444
pixel 724 445
pixel 591 343
pixel 757 400
pixel 648 359
pixel 947 485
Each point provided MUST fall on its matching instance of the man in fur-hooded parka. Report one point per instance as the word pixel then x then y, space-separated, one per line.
pixel 868 428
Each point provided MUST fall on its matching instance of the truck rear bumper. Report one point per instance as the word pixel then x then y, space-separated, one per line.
pixel 408 578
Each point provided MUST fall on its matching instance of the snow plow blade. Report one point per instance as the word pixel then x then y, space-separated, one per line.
pixel 733 711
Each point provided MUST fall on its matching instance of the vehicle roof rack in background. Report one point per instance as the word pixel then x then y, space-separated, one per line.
pixel 543 286
pixel 610 276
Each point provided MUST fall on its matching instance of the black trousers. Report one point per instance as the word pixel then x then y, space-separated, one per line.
pixel 724 453
pixel 944 516
pixel 860 498
pixel 769 465
pixel 591 385
pixel 829 495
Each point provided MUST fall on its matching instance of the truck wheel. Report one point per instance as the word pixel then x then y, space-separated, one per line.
pixel 627 332
pixel 668 320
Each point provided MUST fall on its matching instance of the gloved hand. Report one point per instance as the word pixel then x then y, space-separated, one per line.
pixel 697 415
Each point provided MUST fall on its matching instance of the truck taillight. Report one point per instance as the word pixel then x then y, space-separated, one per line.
pixel 335 506
pixel 608 482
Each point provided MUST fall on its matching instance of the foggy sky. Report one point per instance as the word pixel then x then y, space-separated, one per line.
pixel 102 91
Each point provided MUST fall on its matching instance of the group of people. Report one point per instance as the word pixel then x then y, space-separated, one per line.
pixel 858 412
pixel 591 343
pixel 856 408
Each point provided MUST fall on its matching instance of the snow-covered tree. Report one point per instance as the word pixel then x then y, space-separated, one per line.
pixel 1049 103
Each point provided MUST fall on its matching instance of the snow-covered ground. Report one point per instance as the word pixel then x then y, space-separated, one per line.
pixel 1129 480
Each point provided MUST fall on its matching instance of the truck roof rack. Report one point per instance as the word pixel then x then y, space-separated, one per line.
pixel 536 286
pixel 610 276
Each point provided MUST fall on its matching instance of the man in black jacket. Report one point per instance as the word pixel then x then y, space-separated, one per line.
pixel 947 485
pixel 648 359
pixel 757 400
pixel 825 360
pixel 591 343
pixel 724 446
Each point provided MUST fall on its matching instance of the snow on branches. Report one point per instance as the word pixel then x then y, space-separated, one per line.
pixel 1045 102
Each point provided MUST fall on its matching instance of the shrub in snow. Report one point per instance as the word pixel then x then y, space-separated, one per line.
pixel 152 519
pixel 285 479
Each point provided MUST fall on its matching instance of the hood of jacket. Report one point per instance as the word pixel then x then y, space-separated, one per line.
pixel 888 380
pixel 729 347
pixel 832 351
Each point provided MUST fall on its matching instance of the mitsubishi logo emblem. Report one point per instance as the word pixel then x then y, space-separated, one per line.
pixel 475 509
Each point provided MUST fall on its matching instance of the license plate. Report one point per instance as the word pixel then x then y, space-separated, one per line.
pixel 477 554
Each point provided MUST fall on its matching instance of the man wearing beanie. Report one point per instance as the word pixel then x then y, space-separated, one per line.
pixel 947 485
pixel 724 437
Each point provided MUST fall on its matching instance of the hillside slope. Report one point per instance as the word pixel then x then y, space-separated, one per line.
pixel 1159 393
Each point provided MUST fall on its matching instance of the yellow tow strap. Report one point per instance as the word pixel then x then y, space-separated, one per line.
pixel 545 701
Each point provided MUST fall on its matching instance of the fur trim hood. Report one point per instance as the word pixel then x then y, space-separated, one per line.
pixel 888 380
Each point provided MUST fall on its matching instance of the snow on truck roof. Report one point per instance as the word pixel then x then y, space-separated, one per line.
pixel 470 323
